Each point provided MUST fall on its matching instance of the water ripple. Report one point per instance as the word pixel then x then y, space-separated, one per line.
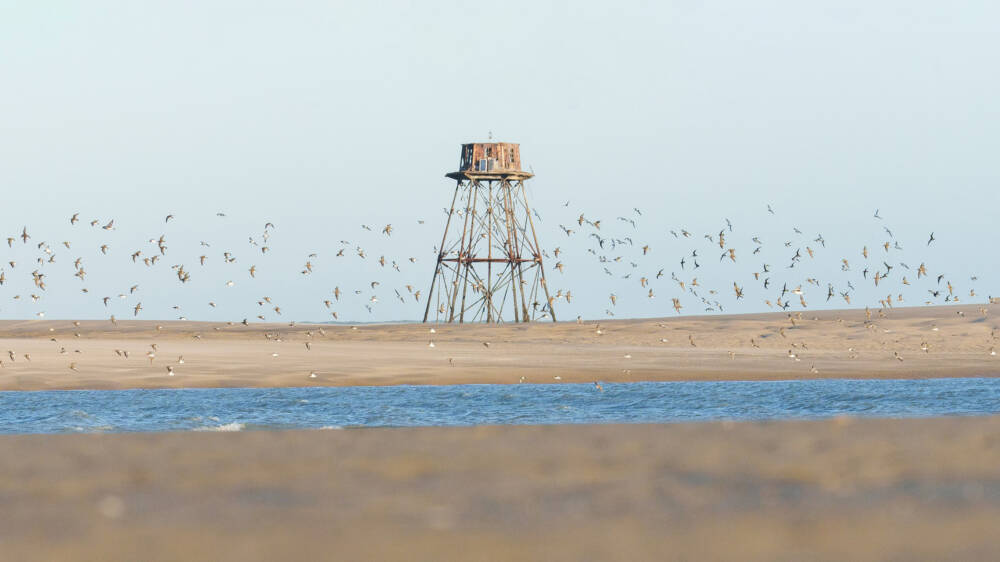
pixel 235 409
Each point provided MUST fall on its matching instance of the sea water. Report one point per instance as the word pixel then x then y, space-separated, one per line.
pixel 221 409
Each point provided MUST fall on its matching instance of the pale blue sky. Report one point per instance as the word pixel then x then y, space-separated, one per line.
pixel 322 116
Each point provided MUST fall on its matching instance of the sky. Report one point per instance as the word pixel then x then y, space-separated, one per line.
pixel 321 117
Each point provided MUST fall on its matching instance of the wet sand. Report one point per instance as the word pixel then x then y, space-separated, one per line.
pixel 825 490
pixel 834 344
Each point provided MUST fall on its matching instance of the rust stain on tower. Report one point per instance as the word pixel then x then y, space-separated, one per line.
pixel 490 269
pixel 490 156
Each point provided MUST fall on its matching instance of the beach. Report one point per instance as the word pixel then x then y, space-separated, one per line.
pixel 835 489
pixel 914 342
pixel 857 489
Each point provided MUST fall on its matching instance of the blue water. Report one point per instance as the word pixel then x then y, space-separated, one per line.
pixel 643 402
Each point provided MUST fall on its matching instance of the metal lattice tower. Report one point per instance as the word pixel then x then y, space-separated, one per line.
pixel 489 266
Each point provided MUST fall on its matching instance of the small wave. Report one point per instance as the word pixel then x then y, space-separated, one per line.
pixel 235 426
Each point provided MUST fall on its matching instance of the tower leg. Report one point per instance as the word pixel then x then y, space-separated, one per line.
pixel 474 196
pixel 489 255
pixel 512 254
pixel 444 237
pixel 462 255
pixel 538 251
pixel 516 243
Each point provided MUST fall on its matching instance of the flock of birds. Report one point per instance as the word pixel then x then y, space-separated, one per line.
pixel 792 275
pixel 172 269
pixel 703 272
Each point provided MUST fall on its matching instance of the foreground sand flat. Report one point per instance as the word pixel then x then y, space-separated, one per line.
pixel 832 344
pixel 824 490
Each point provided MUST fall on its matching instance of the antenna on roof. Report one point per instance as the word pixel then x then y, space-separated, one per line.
pixel 490 135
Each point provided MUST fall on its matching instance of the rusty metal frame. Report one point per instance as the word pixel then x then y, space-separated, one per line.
pixel 496 214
